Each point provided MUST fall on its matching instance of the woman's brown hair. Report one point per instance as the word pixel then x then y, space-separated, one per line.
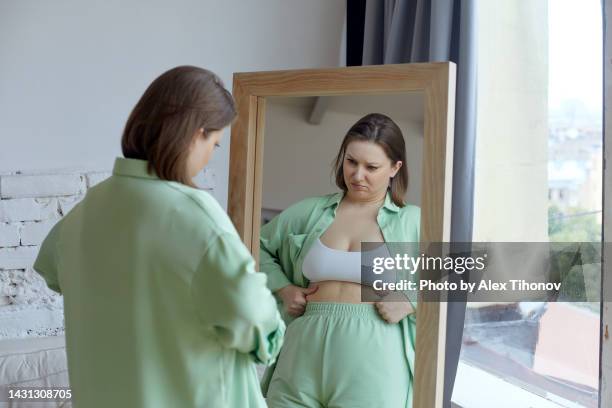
pixel 162 125
pixel 380 129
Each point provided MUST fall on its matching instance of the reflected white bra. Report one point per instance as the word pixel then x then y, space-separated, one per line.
pixel 322 263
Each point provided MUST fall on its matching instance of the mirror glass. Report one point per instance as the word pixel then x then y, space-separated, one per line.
pixel 303 136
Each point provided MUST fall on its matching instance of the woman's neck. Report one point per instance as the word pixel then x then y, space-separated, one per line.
pixel 373 201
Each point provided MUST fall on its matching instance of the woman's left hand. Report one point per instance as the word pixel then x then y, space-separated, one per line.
pixel 394 311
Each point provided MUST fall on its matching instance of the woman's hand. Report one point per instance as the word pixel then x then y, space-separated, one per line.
pixel 294 298
pixel 393 311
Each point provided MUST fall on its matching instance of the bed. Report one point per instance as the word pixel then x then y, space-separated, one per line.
pixel 33 362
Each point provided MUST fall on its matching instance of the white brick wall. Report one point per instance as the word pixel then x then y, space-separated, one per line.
pixel 21 257
pixel 94 178
pixel 9 235
pixel 28 209
pixel 30 205
pixel 41 185
pixel 67 203
pixel 25 287
pixel 33 233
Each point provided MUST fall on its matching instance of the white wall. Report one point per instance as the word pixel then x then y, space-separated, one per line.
pixel 71 71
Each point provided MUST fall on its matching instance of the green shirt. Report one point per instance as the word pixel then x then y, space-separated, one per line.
pixel 163 307
pixel 286 239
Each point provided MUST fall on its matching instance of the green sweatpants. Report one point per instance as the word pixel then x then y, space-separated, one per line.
pixel 341 355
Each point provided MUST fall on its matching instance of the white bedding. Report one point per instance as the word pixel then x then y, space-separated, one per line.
pixel 33 362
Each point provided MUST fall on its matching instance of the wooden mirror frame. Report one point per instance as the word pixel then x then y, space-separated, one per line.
pixel 437 82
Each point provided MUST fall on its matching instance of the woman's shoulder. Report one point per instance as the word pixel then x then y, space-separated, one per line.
pixel 206 207
pixel 303 213
pixel 310 204
pixel 410 211
pixel 410 219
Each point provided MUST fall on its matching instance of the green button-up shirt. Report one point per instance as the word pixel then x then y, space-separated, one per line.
pixel 287 238
pixel 163 307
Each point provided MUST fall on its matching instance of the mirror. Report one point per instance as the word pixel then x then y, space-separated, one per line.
pixel 288 132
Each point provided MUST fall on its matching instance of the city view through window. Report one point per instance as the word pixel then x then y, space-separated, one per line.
pixel 542 354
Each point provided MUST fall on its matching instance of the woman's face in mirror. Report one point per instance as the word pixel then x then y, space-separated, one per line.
pixel 367 169
pixel 201 150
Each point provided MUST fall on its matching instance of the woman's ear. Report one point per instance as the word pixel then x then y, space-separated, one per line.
pixel 395 168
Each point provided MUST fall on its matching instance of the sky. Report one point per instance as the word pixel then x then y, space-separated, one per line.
pixel 575 52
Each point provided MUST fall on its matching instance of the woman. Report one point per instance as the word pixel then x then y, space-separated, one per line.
pixel 162 305
pixel 340 351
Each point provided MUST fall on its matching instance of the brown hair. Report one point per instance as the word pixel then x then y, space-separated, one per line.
pixel 380 129
pixel 161 126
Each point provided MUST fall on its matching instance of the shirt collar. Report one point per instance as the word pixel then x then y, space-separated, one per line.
pixel 132 168
pixel 335 199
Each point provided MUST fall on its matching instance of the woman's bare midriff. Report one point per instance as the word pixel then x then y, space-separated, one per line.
pixel 338 292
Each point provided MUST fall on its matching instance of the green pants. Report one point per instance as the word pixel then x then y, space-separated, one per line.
pixel 341 355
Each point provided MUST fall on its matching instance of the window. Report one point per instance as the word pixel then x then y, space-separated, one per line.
pixel 538 162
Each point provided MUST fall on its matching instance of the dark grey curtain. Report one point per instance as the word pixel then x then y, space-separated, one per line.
pixel 399 31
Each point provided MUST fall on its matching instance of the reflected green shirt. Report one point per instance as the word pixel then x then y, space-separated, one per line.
pixel 163 307
pixel 286 239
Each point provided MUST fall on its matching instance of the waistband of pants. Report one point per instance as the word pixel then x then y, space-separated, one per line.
pixel 341 309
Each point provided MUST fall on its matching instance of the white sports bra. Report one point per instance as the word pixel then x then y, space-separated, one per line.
pixel 322 263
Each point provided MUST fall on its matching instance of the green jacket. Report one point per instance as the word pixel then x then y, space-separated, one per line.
pixel 286 239
pixel 163 307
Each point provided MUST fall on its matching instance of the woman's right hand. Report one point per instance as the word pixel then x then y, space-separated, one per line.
pixel 294 298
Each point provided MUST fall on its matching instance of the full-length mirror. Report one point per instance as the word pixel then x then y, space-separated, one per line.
pixel 321 162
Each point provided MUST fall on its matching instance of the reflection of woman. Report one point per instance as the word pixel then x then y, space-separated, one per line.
pixel 163 307
pixel 339 351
